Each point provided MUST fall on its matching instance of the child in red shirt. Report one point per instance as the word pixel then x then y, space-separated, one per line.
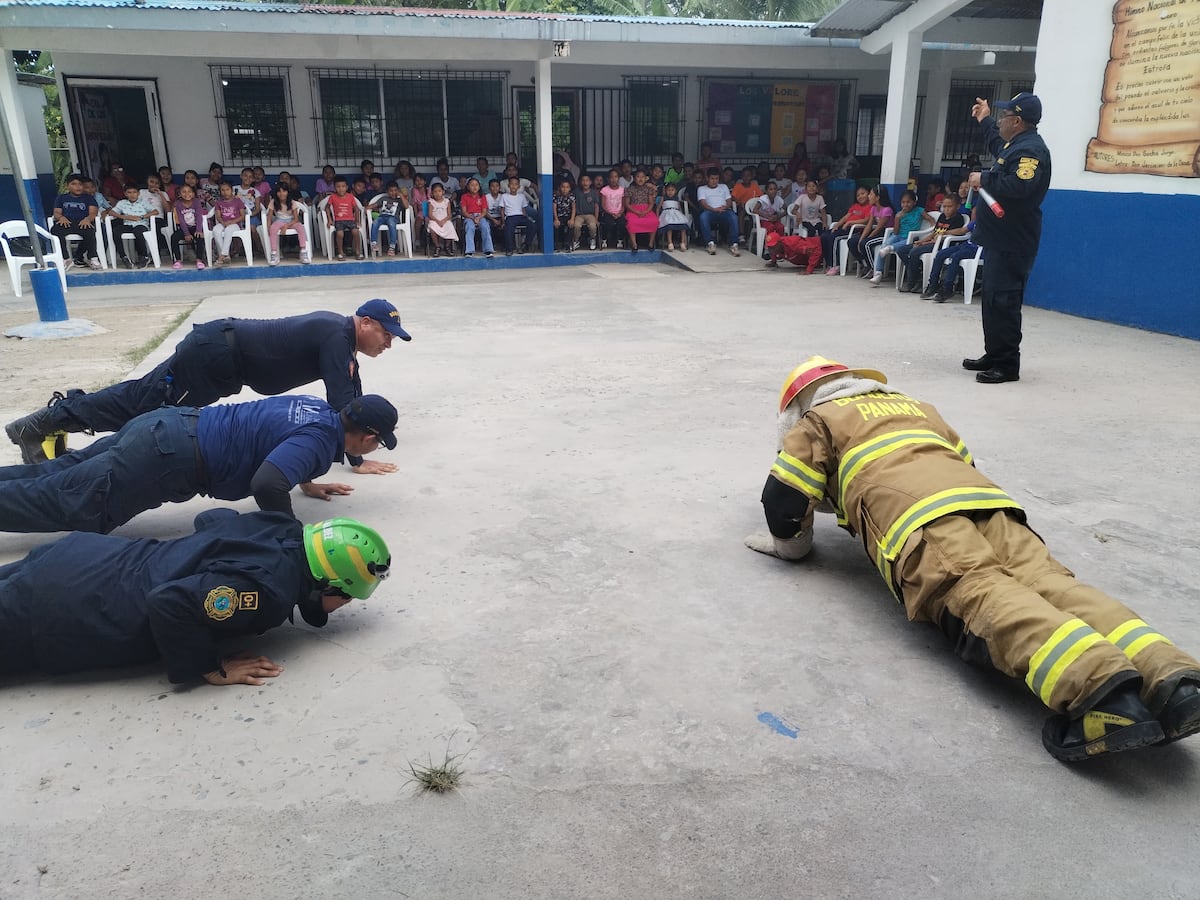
pixel 343 211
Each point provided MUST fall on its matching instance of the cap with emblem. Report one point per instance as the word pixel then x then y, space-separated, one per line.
pixel 1025 105
pixel 386 315
pixel 374 415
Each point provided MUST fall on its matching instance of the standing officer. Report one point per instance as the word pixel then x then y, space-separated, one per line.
pixel 218 359
pixel 1017 181
pixel 955 550
pixel 91 601
pixel 261 449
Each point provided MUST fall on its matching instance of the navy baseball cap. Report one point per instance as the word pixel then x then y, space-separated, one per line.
pixel 1025 105
pixel 386 315
pixel 374 415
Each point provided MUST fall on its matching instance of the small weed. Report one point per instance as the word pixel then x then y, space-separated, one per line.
pixel 438 778
pixel 137 354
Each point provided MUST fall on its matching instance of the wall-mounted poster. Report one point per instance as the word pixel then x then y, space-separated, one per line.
pixel 1150 106
pixel 765 118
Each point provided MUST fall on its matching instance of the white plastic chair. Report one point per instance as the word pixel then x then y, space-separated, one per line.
pixel 758 234
pixel 940 244
pixel 168 225
pixel 970 269
pixel 841 249
pixel 913 236
pixel 245 234
pixel 18 229
pixel 326 229
pixel 151 239
pixel 100 254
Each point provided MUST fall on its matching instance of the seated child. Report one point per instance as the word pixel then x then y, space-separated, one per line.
pixel 770 212
pixel 230 218
pixel 441 225
pixel 390 207
pixel 672 220
pixel 132 216
pixel 283 215
pixel 475 218
pixel 809 210
pixel 342 214
pixel 564 217
pixel 189 228
pixel 587 206
pixel 910 218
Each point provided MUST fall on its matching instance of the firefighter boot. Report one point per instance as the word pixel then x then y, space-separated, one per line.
pixel 32 432
pixel 1118 722
pixel 1181 716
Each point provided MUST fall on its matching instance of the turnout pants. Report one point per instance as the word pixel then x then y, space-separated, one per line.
pixel 203 369
pixel 991 585
pixel 1004 278
pixel 151 461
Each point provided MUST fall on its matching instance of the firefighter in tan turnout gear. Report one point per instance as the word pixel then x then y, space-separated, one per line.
pixel 955 550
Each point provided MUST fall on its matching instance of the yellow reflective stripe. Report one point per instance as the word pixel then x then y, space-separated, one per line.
pixel 1069 641
pixel 869 451
pixel 925 511
pixel 961 449
pixel 799 475
pixel 943 503
pixel 1134 636
pixel 319 550
pixel 356 557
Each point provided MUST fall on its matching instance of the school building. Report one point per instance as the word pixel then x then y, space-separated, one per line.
pixel 188 82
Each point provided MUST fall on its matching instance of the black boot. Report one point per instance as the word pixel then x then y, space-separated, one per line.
pixel 1181 716
pixel 30 432
pixel 1118 722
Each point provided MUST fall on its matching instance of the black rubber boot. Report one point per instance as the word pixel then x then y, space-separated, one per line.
pixel 1118 722
pixel 30 432
pixel 1181 716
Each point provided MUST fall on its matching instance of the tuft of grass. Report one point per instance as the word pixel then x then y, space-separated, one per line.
pixel 438 778
pixel 137 354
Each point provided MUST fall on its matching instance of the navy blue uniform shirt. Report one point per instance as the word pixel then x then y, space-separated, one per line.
pixel 1018 180
pixel 279 355
pixel 301 436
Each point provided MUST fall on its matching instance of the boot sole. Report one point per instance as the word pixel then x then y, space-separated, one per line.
pixel 1131 737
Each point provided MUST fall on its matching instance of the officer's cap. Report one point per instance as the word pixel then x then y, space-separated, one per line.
pixel 1025 105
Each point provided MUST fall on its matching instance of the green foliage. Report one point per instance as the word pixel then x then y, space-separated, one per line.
pixel 753 10
pixel 39 62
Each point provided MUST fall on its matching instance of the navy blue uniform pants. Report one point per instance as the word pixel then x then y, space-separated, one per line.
pixel 203 369
pixel 1004 278
pixel 151 461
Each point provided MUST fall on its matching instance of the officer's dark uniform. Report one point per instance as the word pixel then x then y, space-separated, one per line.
pixel 170 455
pixel 1018 180
pixel 90 601
pixel 218 359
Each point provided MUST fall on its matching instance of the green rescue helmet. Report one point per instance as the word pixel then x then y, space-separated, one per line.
pixel 347 555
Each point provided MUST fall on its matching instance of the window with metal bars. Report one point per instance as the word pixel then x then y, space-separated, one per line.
pixel 411 114
pixel 254 112
pixel 872 115
pixel 653 117
pixel 1019 86
pixel 963 136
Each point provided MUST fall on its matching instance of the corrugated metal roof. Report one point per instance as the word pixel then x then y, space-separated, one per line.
pixel 858 18
pixel 397 11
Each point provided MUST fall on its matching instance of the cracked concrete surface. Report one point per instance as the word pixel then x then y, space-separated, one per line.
pixel 573 608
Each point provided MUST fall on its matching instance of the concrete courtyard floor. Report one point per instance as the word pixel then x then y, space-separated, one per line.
pixel 573 613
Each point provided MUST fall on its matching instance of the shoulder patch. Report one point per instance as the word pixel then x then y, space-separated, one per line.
pixel 1026 167
pixel 248 600
pixel 221 603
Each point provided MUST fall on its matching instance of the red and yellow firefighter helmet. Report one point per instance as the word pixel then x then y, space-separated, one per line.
pixel 812 372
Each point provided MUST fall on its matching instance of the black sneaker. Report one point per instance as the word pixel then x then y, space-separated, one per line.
pixel 1117 723
pixel 930 292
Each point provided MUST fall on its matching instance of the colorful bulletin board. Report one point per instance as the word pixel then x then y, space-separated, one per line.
pixel 770 118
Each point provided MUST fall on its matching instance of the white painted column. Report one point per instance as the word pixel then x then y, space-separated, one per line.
pixel 545 152
pixel 933 129
pixel 901 108
pixel 24 167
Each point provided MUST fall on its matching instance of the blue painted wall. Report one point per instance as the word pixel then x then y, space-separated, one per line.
pixel 10 203
pixel 1124 258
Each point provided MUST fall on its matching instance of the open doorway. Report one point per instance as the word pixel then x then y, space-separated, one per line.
pixel 116 120
pixel 564 113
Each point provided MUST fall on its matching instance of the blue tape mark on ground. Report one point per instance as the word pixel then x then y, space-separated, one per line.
pixel 777 724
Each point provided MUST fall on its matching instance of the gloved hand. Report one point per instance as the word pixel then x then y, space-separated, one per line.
pixel 791 549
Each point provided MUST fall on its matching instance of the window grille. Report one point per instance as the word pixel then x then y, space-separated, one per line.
pixel 962 131
pixel 653 117
pixel 872 115
pixel 420 115
pixel 254 113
